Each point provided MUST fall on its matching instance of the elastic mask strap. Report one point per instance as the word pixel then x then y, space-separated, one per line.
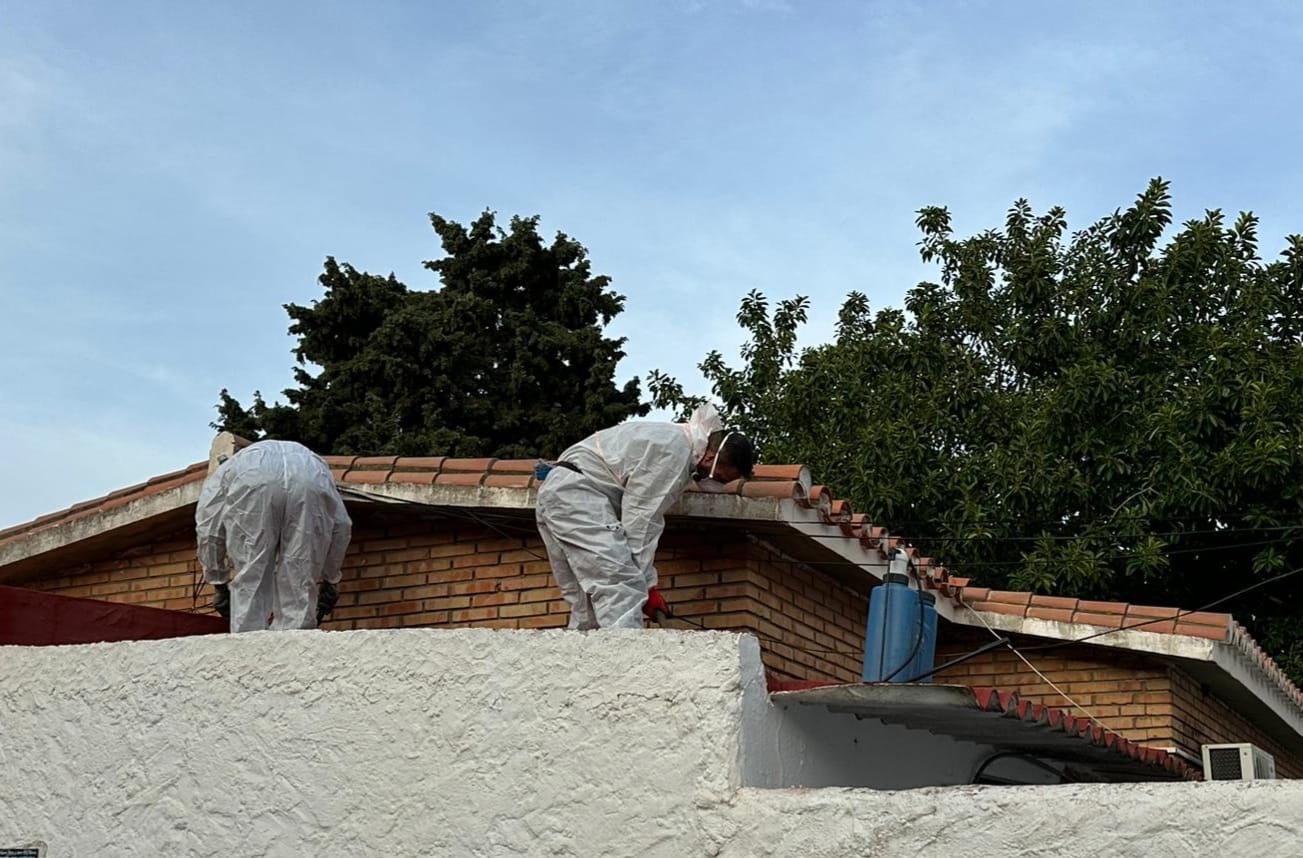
pixel 718 450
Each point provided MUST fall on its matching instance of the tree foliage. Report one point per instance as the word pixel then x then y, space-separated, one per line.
pixel 1112 413
pixel 507 358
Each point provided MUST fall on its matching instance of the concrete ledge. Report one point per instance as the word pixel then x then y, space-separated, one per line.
pixel 69 539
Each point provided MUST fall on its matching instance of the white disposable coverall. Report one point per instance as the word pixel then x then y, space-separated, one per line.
pixel 601 526
pixel 274 511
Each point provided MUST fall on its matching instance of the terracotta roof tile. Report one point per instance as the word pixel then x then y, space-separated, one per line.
pixel 778 489
pixel 1043 723
pixel 1054 602
pixel 1058 615
pixel 1136 612
pixel 1102 607
pixel 113 500
pixel 420 463
pixel 1000 608
pixel 470 478
pixel 416 477
pixel 1199 630
pixel 513 466
pixel 1108 620
pixel 466 466
pixel 365 476
pixel 509 481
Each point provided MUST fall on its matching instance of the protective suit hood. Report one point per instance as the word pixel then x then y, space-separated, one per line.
pixel 704 422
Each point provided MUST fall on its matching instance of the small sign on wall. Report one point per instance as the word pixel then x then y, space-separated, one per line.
pixel 32 850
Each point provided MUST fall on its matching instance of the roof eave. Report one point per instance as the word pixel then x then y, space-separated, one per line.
pixel 68 542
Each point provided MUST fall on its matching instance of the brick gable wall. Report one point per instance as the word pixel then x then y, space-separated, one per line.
pixel 1140 697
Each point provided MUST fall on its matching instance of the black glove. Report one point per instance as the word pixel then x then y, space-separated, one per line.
pixel 327 596
pixel 222 600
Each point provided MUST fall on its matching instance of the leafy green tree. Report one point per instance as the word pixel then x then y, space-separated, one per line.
pixel 1109 413
pixel 507 358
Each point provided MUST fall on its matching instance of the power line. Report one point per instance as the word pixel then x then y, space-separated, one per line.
pixel 1213 604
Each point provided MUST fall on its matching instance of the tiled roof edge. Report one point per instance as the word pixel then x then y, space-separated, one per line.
pixel 113 500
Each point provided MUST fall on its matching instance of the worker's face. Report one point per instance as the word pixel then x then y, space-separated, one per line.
pixel 711 467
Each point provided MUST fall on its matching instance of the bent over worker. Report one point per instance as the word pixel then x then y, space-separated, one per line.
pixel 273 510
pixel 601 509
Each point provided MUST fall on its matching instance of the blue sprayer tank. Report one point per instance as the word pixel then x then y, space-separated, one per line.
pixel 893 628
pixel 927 648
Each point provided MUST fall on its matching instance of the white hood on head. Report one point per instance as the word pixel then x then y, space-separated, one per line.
pixel 703 422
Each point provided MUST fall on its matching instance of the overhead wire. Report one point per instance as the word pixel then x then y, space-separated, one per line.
pixel 483 520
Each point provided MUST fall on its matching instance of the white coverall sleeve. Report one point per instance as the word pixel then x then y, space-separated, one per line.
pixel 210 529
pixel 332 569
pixel 653 487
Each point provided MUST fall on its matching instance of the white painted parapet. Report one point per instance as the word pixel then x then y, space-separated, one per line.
pixel 479 742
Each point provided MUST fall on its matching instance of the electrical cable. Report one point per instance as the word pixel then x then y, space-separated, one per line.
pixel 1214 603
pixel 1023 755
pixel 482 520
pixel 1042 676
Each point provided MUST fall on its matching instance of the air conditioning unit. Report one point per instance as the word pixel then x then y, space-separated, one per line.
pixel 1237 762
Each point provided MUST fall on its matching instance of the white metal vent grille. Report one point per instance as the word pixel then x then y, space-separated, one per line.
pixel 1224 764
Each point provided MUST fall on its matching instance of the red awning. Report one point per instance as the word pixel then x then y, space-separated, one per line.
pixel 34 618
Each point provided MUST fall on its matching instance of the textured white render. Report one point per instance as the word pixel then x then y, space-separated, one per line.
pixel 477 742
pixel 1141 820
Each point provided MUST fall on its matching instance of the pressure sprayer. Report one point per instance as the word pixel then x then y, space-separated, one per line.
pixel 900 635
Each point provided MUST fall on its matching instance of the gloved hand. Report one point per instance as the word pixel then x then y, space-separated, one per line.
pixel 327 596
pixel 655 602
pixel 222 600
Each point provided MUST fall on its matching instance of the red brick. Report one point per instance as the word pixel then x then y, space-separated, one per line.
pixel 428 565
pixel 400 608
pixel 426 592
pixel 446 603
pixel 467 588
pixel 521 556
pixel 531 609
pixel 497 571
pixel 548 622
pixel 538 594
pixel 472 615
pixel 448 576
pixel 452 549
pixel 486 599
pixel 524 582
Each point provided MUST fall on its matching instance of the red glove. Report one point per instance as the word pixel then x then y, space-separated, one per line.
pixel 655 602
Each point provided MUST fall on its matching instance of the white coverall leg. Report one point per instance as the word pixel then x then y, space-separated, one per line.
pixel 253 542
pixel 591 559
pixel 581 607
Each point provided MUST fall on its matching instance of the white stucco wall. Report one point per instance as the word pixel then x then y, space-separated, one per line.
pixel 368 743
pixel 1153 820
pixel 474 742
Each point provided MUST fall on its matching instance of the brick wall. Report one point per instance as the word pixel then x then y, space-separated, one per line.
pixel 160 574
pixel 1140 697
pixel 402 572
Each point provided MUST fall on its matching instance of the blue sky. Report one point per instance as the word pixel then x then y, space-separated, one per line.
pixel 171 174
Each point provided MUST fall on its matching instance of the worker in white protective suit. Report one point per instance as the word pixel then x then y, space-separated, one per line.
pixel 273 511
pixel 601 510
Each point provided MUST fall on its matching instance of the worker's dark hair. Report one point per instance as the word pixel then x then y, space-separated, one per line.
pixel 736 451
